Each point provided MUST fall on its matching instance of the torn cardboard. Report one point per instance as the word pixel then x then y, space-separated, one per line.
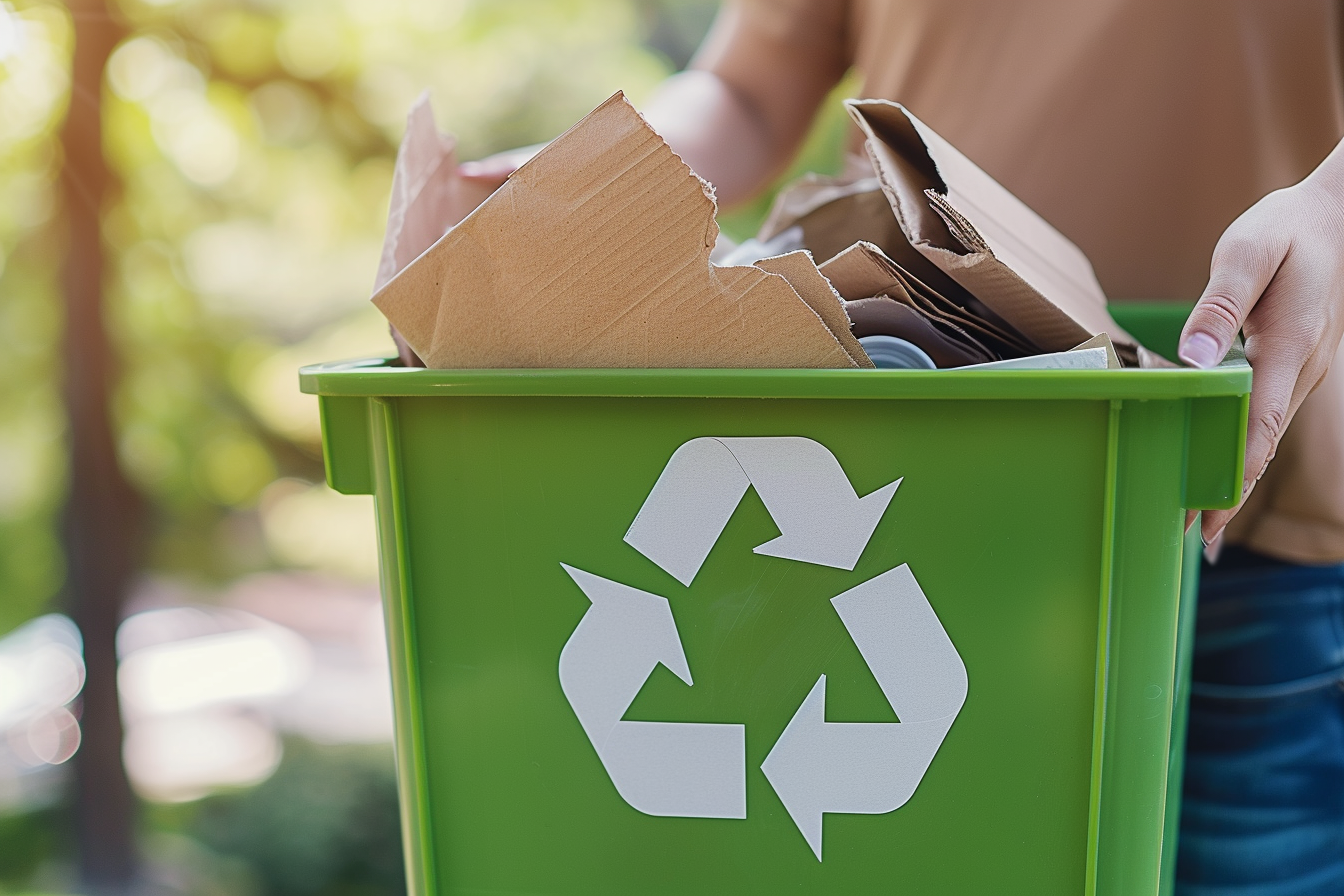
pixel 864 270
pixel 816 291
pixel 428 197
pixel 1102 341
pixel 946 345
pixel 982 236
pixel 833 213
pixel 596 254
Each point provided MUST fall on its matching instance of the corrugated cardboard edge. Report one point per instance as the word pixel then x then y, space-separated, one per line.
pixel 1102 340
pixel 858 273
pixel 813 288
pixel 904 149
pixel 428 197
pixel 527 281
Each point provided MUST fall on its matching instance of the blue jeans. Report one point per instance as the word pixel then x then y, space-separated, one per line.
pixel 1263 805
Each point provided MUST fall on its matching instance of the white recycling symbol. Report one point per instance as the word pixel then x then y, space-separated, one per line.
pixel 699 770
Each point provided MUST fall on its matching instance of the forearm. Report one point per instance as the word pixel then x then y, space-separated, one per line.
pixel 717 132
pixel 741 111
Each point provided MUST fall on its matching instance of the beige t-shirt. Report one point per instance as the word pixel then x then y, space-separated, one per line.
pixel 1140 129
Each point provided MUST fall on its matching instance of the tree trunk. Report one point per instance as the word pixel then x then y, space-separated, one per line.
pixel 102 511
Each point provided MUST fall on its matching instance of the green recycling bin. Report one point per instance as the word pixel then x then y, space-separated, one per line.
pixel 768 631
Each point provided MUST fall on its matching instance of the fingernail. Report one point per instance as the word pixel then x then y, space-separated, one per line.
pixel 1200 350
pixel 1214 546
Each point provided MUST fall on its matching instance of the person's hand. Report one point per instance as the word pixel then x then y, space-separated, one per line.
pixel 1278 276
pixel 490 172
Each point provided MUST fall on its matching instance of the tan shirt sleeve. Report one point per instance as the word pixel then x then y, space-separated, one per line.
pixel 819 28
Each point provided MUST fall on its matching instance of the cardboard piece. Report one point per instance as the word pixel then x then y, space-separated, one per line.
pixel 982 236
pixel 945 345
pixel 725 254
pixel 596 254
pixel 863 270
pixel 427 198
pixel 1102 341
pixel 801 271
pixel 1095 358
pixel 833 213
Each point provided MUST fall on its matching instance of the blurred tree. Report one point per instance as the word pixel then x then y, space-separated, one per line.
pixel 102 510
pixel 255 141
pixel 248 148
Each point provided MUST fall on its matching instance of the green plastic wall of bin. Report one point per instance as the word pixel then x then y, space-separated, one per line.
pixel 1042 513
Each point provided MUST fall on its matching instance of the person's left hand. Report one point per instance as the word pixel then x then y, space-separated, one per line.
pixel 488 174
pixel 1278 276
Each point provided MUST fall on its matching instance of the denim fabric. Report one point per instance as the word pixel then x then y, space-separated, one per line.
pixel 1263 806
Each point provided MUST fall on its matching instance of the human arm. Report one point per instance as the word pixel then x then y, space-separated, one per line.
pixel 740 111
pixel 1278 276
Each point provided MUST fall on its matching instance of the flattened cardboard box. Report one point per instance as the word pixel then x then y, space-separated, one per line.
pixel 596 254
pixel 982 236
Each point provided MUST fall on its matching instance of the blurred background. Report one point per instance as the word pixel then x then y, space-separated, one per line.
pixel 193 682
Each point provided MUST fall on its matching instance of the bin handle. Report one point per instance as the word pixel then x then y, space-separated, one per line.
pixel 346 451
pixel 1215 451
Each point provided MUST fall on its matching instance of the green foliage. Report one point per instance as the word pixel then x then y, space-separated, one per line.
pixel 34 83
pixel 28 840
pixel 254 144
pixel 326 822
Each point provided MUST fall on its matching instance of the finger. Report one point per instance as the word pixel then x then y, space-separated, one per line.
pixel 1277 391
pixel 1276 394
pixel 1242 268
pixel 1214 548
pixel 1190 516
pixel 1215 521
pixel 494 170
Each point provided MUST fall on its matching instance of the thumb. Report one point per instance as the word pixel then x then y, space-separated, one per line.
pixel 1240 272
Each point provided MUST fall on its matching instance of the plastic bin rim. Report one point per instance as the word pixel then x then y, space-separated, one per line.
pixel 379 377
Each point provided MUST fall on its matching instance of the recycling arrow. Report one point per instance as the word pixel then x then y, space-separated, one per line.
pixel 659 768
pixel 872 768
pixel 815 767
pixel 822 520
